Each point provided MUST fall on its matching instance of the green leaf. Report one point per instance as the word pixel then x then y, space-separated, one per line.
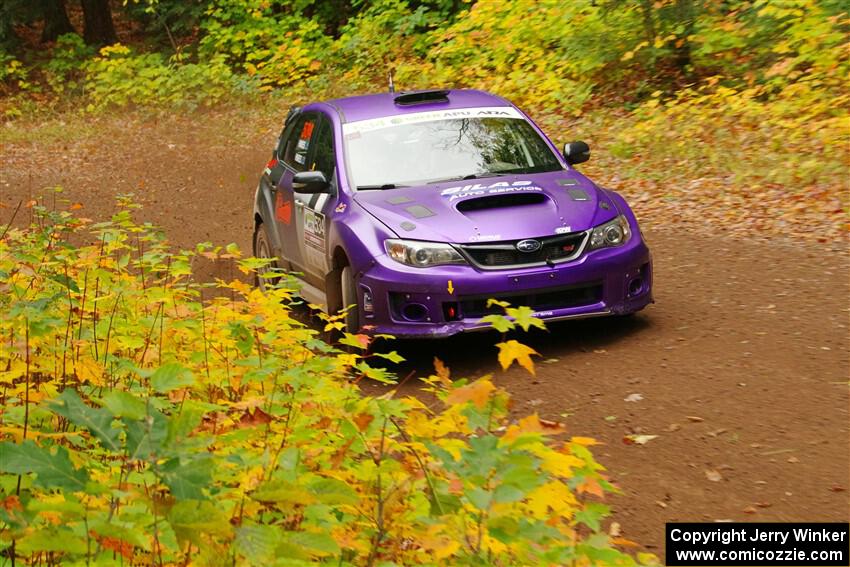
pixel 187 480
pixel 592 514
pixel 257 543
pixel 145 437
pixel 55 539
pixel 318 544
pixel 97 421
pixel 52 469
pixel 180 425
pixel 135 535
pixel 524 317
pixel 170 377
pixel 393 357
pixel 506 493
pixel 334 491
pixel 480 498
pixel 499 322
pixel 376 374
pixel 124 404
pixel 191 518
pixel 357 341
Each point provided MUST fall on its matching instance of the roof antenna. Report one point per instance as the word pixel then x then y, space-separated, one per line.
pixel 390 77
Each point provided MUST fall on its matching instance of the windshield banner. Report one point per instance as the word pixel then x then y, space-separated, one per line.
pixel 417 117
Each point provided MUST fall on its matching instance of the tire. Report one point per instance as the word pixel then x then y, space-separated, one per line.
pixel 349 297
pixel 263 249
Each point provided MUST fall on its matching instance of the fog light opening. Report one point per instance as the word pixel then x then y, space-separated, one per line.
pixel 414 312
pixel 450 311
pixel 635 286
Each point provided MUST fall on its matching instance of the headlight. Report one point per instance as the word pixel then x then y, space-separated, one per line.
pixel 613 233
pixel 422 254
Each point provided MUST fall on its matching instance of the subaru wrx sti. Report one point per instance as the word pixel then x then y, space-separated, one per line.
pixel 416 208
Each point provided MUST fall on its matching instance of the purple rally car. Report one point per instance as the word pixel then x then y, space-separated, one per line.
pixel 415 208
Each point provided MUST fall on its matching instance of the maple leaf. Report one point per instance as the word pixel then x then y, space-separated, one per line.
pixel 512 350
pixel 363 420
pixel 478 393
pixel 533 424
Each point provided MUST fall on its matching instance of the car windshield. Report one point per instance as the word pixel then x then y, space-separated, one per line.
pixel 421 148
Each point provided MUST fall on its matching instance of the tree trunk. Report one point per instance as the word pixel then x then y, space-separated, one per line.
pixel 685 16
pixel 97 16
pixel 648 23
pixel 56 20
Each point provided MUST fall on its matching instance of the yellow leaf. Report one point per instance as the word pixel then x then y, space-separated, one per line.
pixel 533 424
pixel 442 372
pixel 552 495
pixel 512 350
pixel 478 393
pixel 586 441
pixel 89 370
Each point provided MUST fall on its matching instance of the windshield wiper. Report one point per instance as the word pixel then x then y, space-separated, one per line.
pixel 469 176
pixel 379 187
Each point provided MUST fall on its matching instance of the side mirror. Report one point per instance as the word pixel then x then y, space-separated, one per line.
pixel 576 152
pixel 310 182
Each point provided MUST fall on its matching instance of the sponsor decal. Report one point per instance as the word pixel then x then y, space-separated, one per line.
pixel 479 189
pixel 283 209
pixel 450 288
pixel 542 314
pixel 357 126
pixel 314 230
pixel 306 131
pixel 340 208
pixel 484 237
pixel 563 230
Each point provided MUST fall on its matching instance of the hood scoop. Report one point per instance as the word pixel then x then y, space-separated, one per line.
pixel 501 201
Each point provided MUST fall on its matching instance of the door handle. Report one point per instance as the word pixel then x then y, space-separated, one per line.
pixel 299 204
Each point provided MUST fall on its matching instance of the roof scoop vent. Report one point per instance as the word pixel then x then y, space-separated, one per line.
pixel 501 201
pixel 421 97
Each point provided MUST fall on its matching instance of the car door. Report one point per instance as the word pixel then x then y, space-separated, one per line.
pixel 313 210
pixel 288 204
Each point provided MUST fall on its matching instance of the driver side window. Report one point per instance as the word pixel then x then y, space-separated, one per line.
pixel 299 142
pixel 323 158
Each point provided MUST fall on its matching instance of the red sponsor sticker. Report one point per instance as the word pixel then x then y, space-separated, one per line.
pixel 306 131
pixel 283 209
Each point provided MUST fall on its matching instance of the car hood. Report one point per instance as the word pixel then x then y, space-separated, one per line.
pixel 492 209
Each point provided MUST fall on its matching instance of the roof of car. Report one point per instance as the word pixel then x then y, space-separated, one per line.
pixel 364 107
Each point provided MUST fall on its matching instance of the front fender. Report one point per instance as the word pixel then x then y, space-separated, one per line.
pixel 264 213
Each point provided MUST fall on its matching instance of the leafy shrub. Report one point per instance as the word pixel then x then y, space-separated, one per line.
pixel 145 422
pixel 12 72
pixel 118 77
pixel 278 46
pixel 66 68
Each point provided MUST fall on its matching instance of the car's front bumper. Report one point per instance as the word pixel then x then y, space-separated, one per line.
pixel 610 281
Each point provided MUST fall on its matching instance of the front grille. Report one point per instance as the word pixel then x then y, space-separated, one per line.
pixel 553 249
pixel 539 300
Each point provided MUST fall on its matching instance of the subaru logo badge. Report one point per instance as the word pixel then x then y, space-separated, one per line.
pixel 529 245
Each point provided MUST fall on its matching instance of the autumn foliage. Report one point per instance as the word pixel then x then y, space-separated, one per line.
pixel 149 419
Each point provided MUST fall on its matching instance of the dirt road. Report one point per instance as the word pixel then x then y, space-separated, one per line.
pixel 740 369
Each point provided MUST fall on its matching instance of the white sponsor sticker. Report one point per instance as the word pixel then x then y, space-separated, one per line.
pixel 477 189
pixel 314 229
pixel 430 116
pixel 484 237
